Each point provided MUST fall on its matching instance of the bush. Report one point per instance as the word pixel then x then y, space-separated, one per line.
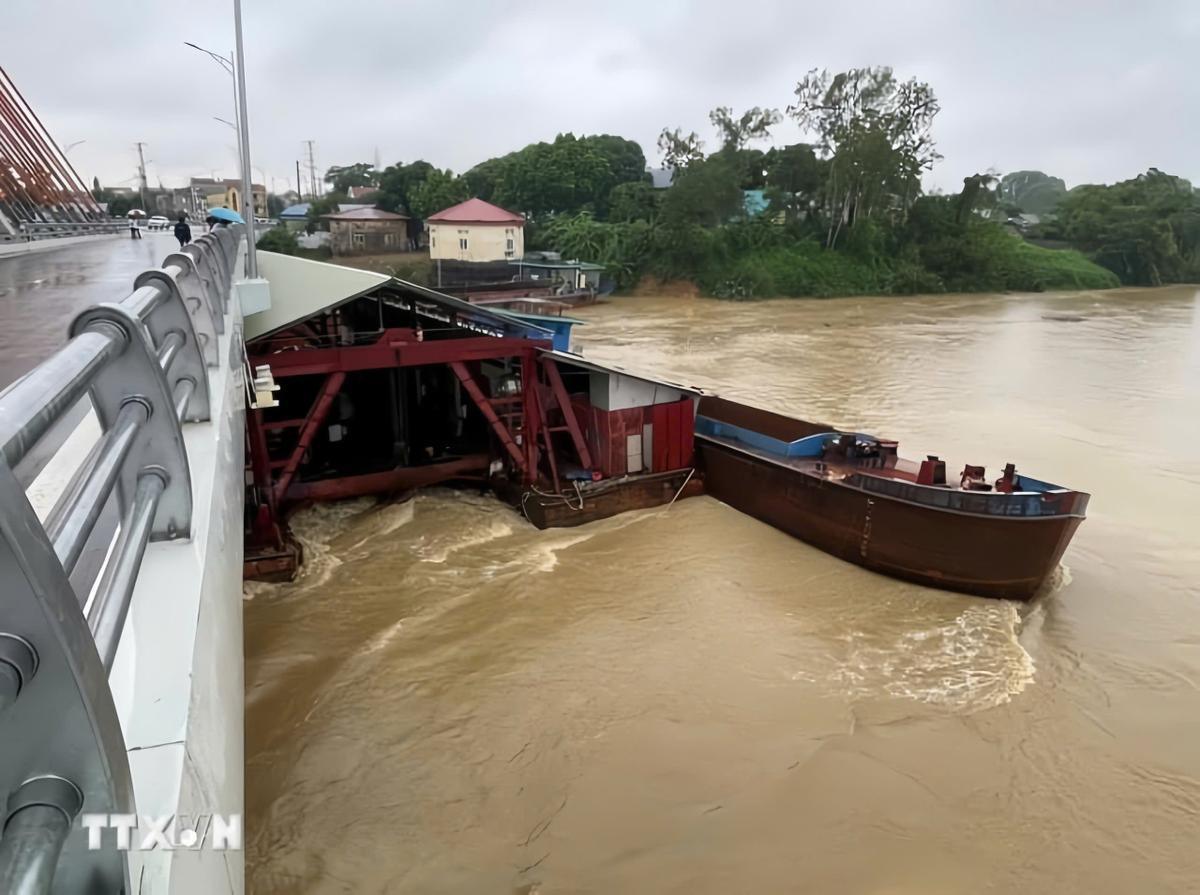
pixel 280 240
pixel 762 258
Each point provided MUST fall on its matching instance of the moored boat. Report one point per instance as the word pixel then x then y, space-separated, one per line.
pixel 853 496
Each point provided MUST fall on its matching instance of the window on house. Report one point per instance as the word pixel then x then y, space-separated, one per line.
pixel 359 240
pixel 462 243
pixel 389 239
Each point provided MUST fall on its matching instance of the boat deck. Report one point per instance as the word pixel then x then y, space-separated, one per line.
pixel 899 483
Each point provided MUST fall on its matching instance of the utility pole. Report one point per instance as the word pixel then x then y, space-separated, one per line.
pixel 244 136
pixel 311 161
pixel 142 173
pixel 299 183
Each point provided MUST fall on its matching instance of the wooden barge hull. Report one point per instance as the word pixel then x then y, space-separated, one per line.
pixel 991 556
pixel 619 496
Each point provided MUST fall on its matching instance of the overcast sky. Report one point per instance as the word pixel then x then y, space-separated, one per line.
pixel 1090 91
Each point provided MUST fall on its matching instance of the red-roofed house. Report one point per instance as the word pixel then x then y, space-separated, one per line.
pixel 476 231
pixel 367 230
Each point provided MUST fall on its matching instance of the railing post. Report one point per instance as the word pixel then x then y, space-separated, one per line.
pixel 62 732
pixel 201 306
pixel 170 316
pixel 210 275
pixel 137 376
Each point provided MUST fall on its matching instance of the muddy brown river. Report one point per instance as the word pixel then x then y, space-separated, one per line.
pixel 684 700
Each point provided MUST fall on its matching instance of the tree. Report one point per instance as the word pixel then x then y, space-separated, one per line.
pixel 875 131
pixel 397 182
pixel 280 240
pixel 680 150
pixel 1145 230
pixel 706 193
pixel 439 190
pixel 565 176
pixel 120 204
pixel 318 208
pixel 794 179
pixel 341 179
pixel 736 132
pixel 635 200
pixel 275 205
pixel 975 193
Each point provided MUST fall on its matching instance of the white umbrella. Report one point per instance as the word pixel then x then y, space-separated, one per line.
pixel 135 213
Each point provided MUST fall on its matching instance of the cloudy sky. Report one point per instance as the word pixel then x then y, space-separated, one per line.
pixel 1091 91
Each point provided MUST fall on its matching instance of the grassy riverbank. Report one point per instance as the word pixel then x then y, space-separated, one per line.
pixel 758 258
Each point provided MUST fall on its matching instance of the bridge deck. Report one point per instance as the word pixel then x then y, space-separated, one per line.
pixel 41 291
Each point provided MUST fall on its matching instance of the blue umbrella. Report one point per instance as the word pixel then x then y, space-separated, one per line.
pixel 224 214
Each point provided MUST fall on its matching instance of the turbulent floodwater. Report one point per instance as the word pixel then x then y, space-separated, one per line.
pixel 685 700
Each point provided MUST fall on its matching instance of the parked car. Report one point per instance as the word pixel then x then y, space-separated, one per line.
pixel 158 222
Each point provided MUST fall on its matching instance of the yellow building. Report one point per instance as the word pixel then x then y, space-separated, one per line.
pixel 476 231
pixel 228 194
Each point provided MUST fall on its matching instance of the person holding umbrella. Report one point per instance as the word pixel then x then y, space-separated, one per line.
pixel 182 231
pixel 223 217
pixel 135 225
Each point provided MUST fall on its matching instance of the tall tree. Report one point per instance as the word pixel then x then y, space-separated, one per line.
pixel 876 132
pixel 342 178
pixel 794 178
pixel 679 149
pixel 737 131
pixel 397 183
pixel 439 190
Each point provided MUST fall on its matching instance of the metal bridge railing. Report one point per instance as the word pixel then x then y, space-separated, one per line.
pixel 32 231
pixel 143 363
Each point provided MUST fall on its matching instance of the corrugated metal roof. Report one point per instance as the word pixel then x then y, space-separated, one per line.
pixel 365 213
pixel 309 287
pixel 579 361
pixel 476 211
pixel 300 210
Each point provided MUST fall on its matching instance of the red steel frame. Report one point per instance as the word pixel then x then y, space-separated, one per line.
pixel 395 347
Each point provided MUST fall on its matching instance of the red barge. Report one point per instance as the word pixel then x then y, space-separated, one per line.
pixel 851 495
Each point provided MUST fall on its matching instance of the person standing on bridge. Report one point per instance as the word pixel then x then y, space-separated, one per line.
pixel 182 231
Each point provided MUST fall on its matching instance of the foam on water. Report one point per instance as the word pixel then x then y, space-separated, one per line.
pixel 971 661
pixel 440 547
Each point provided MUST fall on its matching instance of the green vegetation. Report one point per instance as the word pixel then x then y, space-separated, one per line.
pixel 280 240
pixel 1145 230
pixel 845 213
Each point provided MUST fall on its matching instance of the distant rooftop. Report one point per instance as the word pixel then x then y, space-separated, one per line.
pixel 299 210
pixel 365 213
pixel 200 182
pixel 476 211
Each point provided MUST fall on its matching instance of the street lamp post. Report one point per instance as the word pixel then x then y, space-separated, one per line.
pixel 235 67
pixel 244 133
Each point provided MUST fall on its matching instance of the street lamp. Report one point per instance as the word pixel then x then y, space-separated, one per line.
pixel 71 146
pixel 244 120
pixel 234 66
